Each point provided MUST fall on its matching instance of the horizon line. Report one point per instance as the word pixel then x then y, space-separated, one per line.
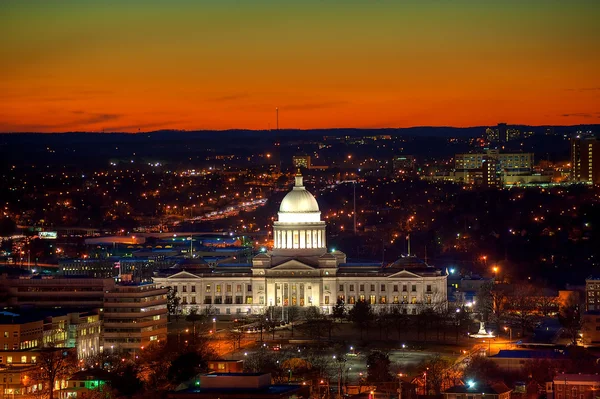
pixel 294 129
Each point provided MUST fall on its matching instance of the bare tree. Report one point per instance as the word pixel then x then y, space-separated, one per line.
pixel 523 305
pixel 571 320
pixel 294 314
pixel 547 303
pixel 235 337
pixel 54 365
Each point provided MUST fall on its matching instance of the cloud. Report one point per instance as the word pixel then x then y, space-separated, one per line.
pixel 80 123
pixel 585 89
pixel 311 106
pixel 135 127
pixel 582 115
pixel 229 97
pixel 97 118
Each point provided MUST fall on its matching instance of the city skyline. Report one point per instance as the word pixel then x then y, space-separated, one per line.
pixel 97 66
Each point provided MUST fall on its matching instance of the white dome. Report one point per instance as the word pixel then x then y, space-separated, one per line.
pixel 299 200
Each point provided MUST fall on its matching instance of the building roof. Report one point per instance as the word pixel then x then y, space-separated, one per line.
pixel 495 389
pixel 526 354
pixel 577 378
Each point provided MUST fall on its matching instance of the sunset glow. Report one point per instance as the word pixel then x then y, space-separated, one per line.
pixel 149 65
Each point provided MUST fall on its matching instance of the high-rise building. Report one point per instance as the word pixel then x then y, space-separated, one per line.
pixel 503 132
pixel 491 134
pixel 301 161
pixel 585 159
pixel 492 174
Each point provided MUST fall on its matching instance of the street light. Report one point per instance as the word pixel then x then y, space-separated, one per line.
pixel 509 329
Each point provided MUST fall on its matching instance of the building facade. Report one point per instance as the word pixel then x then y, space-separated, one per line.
pixel 53 292
pixel 135 315
pixel 573 386
pixel 81 330
pixel 300 271
pixel 512 162
pixel 585 159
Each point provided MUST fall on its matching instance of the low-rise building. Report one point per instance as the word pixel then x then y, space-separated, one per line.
pixel 45 328
pixel 83 384
pixel 478 391
pixel 226 366
pixel 514 360
pixel 237 386
pixel 573 386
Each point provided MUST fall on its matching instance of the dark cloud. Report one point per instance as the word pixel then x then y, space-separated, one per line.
pixel 229 97
pixel 585 89
pixel 583 115
pixel 134 128
pixel 78 124
pixel 310 106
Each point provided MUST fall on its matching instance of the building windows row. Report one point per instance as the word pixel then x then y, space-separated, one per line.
pixel 382 288
pixel 218 288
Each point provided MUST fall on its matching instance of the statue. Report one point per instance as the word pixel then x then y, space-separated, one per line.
pixel 482 328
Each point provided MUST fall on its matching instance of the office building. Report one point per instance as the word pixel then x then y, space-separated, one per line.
pixel 135 315
pixel 53 292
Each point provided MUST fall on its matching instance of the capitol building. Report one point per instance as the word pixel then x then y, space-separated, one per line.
pixel 300 271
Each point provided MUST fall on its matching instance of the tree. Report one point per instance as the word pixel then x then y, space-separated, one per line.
pixel 153 364
pixel 382 319
pixel 491 301
pixel 235 336
pixel 339 310
pixel 570 318
pixel 399 319
pixel 186 366
pixel 539 370
pixel 523 305
pixel 194 317
pixel 173 303
pixel 126 382
pixel 7 227
pixel 294 314
pixel 484 305
pixel 361 315
pixel 378 367
pixel 54 364
pixel 547 303
pixel 437 372
pixel 316 325
pixel 482 369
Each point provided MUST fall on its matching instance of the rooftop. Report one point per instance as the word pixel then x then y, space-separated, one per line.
pixel 495 389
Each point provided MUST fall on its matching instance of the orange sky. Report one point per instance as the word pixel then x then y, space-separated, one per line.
pixel 128 65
